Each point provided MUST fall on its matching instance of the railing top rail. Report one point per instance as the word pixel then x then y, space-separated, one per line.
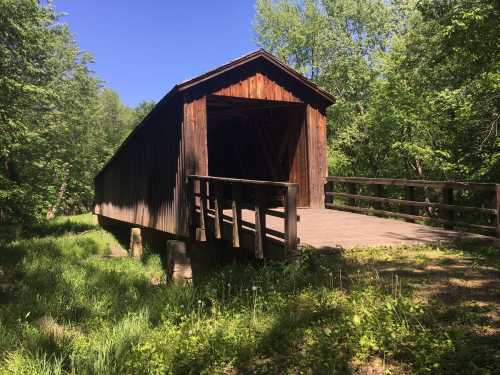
pixel 243 181
pixel 417 183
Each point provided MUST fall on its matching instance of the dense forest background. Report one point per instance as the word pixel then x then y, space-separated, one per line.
pixel 59 124
pixel 417 82
pixel 417 86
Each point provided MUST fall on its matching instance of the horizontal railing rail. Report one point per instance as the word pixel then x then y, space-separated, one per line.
pixel 207 199
pixel 438 212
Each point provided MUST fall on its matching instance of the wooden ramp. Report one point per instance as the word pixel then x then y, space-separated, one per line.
pixel 247 213
pixel 326 228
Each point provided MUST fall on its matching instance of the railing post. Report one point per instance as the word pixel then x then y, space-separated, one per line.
pixel 192 207
pixel 379 192
pixel 448 214
pixel 496 205
pixel 329 189
pixel 291 221
pixel 260 222
pixel 353 189
pixel 218 210
pixel 236 209
pixel 201 234
pixel 410 196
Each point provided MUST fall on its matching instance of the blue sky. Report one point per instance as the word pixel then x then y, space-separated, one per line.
pixel 143 48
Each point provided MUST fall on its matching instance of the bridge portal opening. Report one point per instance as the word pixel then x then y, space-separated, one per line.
pixel 258 140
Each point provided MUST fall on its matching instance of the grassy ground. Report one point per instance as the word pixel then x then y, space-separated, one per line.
pixel 69 305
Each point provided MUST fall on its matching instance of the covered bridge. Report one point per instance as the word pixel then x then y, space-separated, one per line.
pixel 239 154
pixel 251 119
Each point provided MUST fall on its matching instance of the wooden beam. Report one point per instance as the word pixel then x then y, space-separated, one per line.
pixel 353 190
pixel 379 192
pixel 242 181
pixel 260 222
pixel 202 232
pixel 417 183
pixel 490 211
pixel 236 208
pixel 410 196
pixel 291 221
pixel 218 214
pixel 192 207
pixel 448 215
pixel 329 189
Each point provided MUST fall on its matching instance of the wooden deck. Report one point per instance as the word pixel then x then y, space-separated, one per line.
pixel 327 228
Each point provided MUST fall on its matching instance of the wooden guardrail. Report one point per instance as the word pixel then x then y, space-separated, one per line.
pixel 209 196
pixel 442 211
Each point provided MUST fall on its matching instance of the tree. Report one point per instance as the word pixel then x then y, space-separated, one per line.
pixel 58 126
pixel 436 104
pixel 142 110
pixel 44 77
pixel 417 83
pixel 336 44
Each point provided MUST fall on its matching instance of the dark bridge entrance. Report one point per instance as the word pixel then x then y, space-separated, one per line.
pixel 258 140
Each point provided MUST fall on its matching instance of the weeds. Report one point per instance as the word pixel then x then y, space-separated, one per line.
pixel 71 309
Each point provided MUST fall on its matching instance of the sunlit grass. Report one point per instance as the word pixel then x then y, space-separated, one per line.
pixel 70 308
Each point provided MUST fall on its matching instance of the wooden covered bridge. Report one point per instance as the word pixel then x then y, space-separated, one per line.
pixel 239 154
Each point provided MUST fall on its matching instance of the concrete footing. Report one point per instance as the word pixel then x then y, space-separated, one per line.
pixel 178 262
pixel 136 243
pixel 182 259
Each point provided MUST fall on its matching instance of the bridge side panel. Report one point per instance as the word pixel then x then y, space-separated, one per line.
pixel 194 143
pixel 143 183
pixel 317 155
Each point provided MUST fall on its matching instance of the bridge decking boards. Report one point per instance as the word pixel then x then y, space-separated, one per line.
pixel 325 228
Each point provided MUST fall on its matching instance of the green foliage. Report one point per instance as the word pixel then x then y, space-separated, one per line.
pixel 58 125
pixel 73 309
pixel 416 82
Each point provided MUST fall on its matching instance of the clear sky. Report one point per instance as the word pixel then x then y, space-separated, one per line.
pixel 144 47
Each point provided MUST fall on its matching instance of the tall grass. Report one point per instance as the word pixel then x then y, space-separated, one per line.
pixel 70 309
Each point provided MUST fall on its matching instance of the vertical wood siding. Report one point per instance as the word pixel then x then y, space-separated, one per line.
pixel 145 182
pixel 194 145
pixel 258 86
pixel 299 164
pixel 316 144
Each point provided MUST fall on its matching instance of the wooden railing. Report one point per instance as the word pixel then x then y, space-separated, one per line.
pixel 443 210
pixel 209 196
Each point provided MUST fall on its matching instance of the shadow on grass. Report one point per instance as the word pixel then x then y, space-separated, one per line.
pixel 57 228
pixel 59 282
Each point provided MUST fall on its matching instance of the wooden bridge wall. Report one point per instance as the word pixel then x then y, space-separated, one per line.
pixel 261 80
pixel 144 183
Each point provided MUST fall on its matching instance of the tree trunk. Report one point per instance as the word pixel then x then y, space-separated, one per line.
pixel 51 213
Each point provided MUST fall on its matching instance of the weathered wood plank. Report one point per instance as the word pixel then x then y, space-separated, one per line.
pixel 417 183
pixel 316 139
pixel 447 214
pixel 242 181
pixel 291 221
pixel 406 216
pixel 410 196
pixel 236 209
pixel 218 211
pixel 490 211
pixel 260 222
pixel 201 234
